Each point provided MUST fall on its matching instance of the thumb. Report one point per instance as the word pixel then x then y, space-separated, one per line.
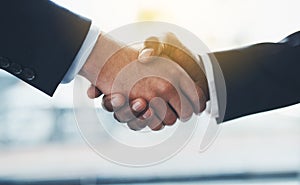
pixel 152 47
pixel 145 54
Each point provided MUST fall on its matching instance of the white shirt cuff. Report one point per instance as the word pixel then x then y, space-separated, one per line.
pixel 213 106
pixel 82 55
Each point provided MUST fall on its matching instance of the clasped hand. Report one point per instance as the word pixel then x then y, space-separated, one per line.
pixel 153 87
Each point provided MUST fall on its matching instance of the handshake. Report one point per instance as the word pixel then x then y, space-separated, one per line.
pixel 152 87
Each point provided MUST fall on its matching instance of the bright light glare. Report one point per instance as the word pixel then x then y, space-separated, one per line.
pixel 221 24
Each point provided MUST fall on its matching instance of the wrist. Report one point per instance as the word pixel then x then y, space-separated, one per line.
pixel 107 58
pixel 104 48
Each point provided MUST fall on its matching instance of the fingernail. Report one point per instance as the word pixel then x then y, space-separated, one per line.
pixel 115 101
pixel 145 53
pixel 137 106
pixel 147 114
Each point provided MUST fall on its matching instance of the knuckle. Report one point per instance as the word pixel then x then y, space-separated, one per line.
pixel 155 124
pixel 116 118
pixel 122 117
pixel 134 125
pixel 107 105
pixel 157 127
pixel 186 115
pixel 170 121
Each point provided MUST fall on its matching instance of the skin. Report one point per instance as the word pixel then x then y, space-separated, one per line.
pixel 152 94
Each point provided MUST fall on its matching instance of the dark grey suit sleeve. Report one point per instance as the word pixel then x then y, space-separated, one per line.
pixel 39 41
pixel 261 77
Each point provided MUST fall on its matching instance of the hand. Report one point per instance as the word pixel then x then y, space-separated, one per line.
pixel 106 60
pixel 171 47
pixel 173 103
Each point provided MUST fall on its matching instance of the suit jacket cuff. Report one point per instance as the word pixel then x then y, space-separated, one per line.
pixel 82 55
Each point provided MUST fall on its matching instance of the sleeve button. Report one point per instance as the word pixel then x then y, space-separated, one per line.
pixel 28 74
pixel 4 62
pixel 15 68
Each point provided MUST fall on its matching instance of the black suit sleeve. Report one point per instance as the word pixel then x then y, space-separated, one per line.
pixel 39 41
pixel 261 77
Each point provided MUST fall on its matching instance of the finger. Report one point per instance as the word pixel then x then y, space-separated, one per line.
pixel 152 47
pixel 148 118
pixel 144 55
pixel 137 124
pixel 155 44
pixel 138 105
pixel 182 106
pixel 124 115
pixel 93 92
pixel 170 117
pixel 194 94
pixel 154 122
pixel 113 102
pixel 147 114
pixel 128 113
pixel 163 111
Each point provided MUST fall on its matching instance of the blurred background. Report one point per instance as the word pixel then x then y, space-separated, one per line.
pixel 40 142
